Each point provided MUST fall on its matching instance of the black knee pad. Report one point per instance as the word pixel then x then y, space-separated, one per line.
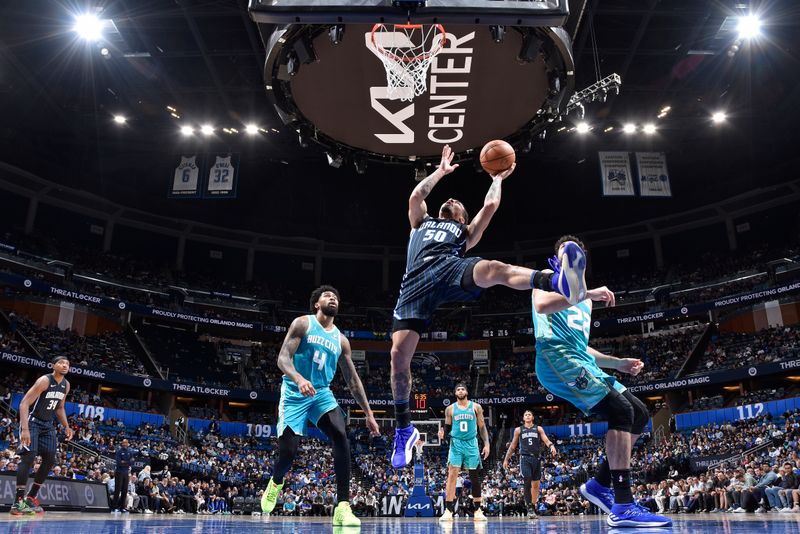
pixel 640 413
pixel 617 410
pixel 475 476
pixel 26 461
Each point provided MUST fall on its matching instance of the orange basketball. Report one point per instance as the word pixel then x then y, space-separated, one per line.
pixel 497 156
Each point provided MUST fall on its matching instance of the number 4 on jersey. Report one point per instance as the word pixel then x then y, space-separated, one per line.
pixel 319 359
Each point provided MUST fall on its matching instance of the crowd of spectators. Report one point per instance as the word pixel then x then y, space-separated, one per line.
pixel 210 473
pixel 706 403
pixel 109 350
pixel 729 350
pixel 718 274
pixel 762 395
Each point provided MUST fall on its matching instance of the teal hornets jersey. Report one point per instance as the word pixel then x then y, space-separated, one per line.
pixel 567 329
pixel 316 356
pixel 465 422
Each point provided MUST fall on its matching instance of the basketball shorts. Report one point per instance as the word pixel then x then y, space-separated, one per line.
pixel 464 454
pixel 574 377
pixel 295 410
pixel 440 280
pixel 530 467
pixel 44 438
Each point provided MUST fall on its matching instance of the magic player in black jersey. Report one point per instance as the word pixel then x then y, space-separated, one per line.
pixel 37 433
pixel 437 272
pixel 530 438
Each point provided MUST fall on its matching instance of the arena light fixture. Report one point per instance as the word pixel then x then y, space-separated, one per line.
pixel 719 117
pixel 629 128
pixel 649 128
pixel 120 119
pixel 88 27
pixel 582 128
pixel 187 130
pixel 749 27
pixel 251 129
pixel 206 129
pixel 105 52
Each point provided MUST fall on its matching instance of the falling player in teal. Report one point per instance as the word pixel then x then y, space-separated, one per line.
pixel 462 421
pixel 568 367
pixel 310 354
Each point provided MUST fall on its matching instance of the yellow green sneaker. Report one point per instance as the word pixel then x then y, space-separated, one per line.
pixel 270 497
pixel 343 516
pixel 21 507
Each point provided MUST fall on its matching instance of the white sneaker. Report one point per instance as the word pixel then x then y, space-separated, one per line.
pixel 760 510
pixel 478 516
pixel 786 510
pixel 739 510
pixel 447 516
pixel 148 511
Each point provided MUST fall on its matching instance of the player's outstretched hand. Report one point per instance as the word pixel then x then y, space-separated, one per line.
pixel 446 165
pixel 25 438
pixel 631 366
pixel 306 389
pixel 602 294
pixel 505 174
pixel 441 434
pixel 505 465
pixel 485 452
pixel 372 425
pixel 68 432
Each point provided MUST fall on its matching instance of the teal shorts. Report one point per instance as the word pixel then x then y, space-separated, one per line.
pixel 295 410
pixel 576 378
pixel 464 454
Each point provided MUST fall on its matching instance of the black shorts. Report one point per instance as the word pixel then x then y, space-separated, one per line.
pixel 531 467
pixel 440 280
pixel 44 438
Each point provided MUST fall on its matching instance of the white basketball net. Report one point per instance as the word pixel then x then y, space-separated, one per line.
pixel 418 445
pixel 406 51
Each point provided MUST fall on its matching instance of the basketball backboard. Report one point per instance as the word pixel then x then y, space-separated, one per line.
pixel 505 71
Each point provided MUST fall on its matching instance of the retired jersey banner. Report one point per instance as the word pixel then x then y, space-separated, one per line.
pixel 222 176
pixel 186 179
pixel 615 172
pixel 653 174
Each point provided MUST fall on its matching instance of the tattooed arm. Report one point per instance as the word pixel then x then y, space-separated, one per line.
pixel 490 205
pixel 417 208
pixel 354 384
pixel 294 336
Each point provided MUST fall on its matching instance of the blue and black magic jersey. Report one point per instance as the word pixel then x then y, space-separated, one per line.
pixel 435 237
pixel 435 267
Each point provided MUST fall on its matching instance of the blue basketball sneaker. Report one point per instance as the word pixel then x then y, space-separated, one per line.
pixel 403 450
pixel 569 271
pixel 599 495
pixel 633 515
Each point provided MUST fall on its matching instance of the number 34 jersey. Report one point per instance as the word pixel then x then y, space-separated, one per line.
pixel 316 356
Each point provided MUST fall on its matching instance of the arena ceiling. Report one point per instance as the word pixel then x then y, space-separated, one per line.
pixel 203 61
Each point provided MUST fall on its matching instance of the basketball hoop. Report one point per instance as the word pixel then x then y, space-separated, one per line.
pixel 406 51
pixel 418 446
